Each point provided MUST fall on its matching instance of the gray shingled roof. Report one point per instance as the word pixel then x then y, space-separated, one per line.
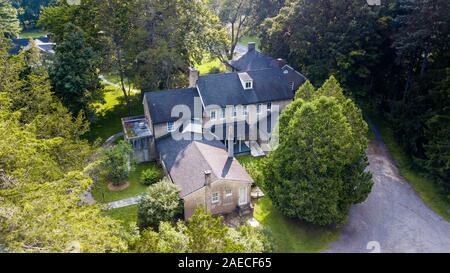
pixel 160 103
pixel 253 60
pixel 226 88
pixel 294 76
pixel 187 160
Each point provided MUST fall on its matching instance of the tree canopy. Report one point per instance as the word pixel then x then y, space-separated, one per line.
pixel 317 171
pixel 44 168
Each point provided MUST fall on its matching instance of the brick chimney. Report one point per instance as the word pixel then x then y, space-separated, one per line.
pixel 193 76
pixel 281 62
pixel 208 177
pixel 251 46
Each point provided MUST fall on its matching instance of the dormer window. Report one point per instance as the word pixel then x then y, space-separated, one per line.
pixel 246 80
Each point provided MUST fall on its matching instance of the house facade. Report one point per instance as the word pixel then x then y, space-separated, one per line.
pixel 195 132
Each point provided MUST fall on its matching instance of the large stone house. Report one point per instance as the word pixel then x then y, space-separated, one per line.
pixel 195 132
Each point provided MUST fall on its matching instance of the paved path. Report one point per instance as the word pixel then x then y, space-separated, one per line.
pixel 393 218
pixel 124 202
pixel 103 79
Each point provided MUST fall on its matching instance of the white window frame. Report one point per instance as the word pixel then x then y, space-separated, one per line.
pixel 234 113
pixel 248 85
pixel 245 111
pixel 269 107
pixel 292 85
pixel 213 117
pixel 215 197
pixel 258 108
pixel 170 126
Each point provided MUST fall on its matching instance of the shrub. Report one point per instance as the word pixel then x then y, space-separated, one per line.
pixel 160 203
pixel 116 162
pixel 151 176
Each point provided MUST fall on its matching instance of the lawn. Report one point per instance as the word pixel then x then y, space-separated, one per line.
pixel 110 113
pixel 136 187
pixel 428 190
pixel 248 38
pixel 35 33
pixel 127 215
pixel 209 64
pixel 291 236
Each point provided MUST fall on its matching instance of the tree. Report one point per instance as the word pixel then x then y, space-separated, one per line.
pixel 335 37
pixel 9 24
pixel 317 171
pixel 44 173
pixel 74 74
pixel 117 162
pixel 201 234
pixel 29 11
pixel 160 203
pixel 234 16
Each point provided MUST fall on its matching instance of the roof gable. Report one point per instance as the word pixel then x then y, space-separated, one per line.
pixel 161 103
pixel 187 160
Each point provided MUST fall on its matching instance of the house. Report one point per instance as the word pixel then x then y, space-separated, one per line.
pixel 44 45
pixel 195 132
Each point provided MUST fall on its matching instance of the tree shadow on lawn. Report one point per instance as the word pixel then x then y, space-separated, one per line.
pixel 293 236
pixel 108 120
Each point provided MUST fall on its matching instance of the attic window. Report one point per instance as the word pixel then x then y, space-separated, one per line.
pixel 246 80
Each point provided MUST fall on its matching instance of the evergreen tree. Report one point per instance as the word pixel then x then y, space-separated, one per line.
pixel 74 74
pixel 9 24
pixel 318 170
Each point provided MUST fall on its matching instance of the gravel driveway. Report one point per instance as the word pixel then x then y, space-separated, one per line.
pixel 393 218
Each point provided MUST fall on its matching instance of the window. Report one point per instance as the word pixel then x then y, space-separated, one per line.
pixel 258 108
pixel 234 111
pixel 223 113
pixel 170 126
pixel 291 84
pixel 248 85
pixel 228 192
pixel 245 110
pixel 213 114
pixel 215 197
pixel 269 107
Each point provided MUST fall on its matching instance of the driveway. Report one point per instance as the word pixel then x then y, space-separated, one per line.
pixel 393 218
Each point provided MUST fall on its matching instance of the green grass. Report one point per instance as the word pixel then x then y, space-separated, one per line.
pixel 136 187
pixel 114 78
pixel 210 63
pixel 248 38
pixel 428 190
pixel 127 215
pixel 35 33
pixel 110 113
pixel 291 236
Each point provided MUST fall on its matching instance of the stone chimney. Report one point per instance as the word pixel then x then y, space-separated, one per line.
pixel 251 46
pixel 208 177
pixel 193 76
pixel 230 139
pixel 281 62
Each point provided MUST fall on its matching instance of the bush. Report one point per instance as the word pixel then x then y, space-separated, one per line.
pixel 116 162
pixel 160 203
pixel 151 176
